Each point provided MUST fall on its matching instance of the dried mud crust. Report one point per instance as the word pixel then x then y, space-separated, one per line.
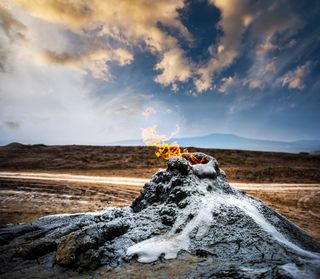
pixel 23 201
pixel 185 211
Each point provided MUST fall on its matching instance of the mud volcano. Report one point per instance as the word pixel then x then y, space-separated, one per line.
pixel 187 211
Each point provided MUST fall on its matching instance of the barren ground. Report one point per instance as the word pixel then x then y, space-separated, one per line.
pixel 24 200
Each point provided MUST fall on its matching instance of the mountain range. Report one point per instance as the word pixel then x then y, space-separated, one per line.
pixel 230 141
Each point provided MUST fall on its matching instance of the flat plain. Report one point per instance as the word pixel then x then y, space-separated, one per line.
pixel 23 200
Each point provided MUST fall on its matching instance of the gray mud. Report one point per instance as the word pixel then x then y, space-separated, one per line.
pixel 187 222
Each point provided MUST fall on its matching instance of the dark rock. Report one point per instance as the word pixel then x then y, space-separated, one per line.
pixel 66 251
pixel 89 260
pixel 178 164
pixel 168 215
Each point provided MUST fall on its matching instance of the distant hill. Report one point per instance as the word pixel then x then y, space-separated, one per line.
pixel 230 141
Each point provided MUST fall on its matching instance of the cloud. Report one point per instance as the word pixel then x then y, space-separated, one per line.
pixel 100 33
pixel 12 27
pixel 233 22
pixel 254 83
pixel 225 83
pixel 261 73
pixel 266 46
pixel 260 22
pixel 46 92
pixel 11 30
pixel 12 124
pixel 174 68
pixel 93 61
pixel 135 20
pixel 121 25
pixel 270 21
pixel 295 79
pixel 148 111
pixel 55 105
pixel 271 66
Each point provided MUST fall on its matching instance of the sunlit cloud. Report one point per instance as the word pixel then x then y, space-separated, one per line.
pixel 225 83
pixel 261 73
pixel 115 28
pixel 94 61
pixel 233 25
pixel 271 66
pixel 109 32
pixel 295 79
pixel 174 68
pixel 236 18
pixel 12 27
pixel 118 65
pixel 254 83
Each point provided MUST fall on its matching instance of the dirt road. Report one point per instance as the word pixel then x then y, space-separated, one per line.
pixel 132 181
pixel 25 196
pixel 75 178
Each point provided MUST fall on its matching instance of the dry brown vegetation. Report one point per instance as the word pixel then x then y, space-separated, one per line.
pixel 240 166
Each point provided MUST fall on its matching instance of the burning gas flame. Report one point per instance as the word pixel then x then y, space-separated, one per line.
pixel 165 150
pixel 194 159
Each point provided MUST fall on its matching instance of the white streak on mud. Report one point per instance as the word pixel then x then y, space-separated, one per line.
pixel 252 210
pixel 170 244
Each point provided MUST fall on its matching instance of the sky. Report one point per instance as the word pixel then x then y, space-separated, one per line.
pixel 95 72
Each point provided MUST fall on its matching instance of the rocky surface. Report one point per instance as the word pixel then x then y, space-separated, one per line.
pixel 187 223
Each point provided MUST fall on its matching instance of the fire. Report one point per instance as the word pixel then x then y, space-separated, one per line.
pixel 165 150
pixel 194 159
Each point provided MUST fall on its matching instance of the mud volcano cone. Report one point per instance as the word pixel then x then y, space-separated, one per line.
pixel 186 216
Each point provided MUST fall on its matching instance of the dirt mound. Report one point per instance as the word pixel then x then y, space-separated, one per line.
pixel 188 209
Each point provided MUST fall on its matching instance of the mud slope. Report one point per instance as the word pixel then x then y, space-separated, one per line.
pixel 188 214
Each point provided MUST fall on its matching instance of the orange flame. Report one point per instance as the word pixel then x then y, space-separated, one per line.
pixel 166 150
pixel 194 159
